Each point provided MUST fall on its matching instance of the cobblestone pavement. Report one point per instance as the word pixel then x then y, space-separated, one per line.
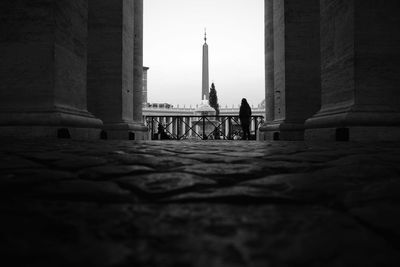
pixel 71 203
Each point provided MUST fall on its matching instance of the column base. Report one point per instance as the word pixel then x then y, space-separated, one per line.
pixel 354 133
pixel 125 131
pixel 354 124
pixel 56 123
pixel 280 130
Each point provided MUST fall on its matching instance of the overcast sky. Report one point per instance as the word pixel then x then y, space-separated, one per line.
pixel 173 40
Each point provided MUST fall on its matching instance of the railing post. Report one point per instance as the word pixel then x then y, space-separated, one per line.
pixel 204 127
pixel 152 128
pixel 178 128
pixel 255 126
pixel 230 128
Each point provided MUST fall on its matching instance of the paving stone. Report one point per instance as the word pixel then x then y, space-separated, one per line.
pixel 45 156
pixel 303 157
pixel 215 170
pixel 284 236
pixel 13 162
pixel 155 161
pixel 241 195
pixel 112 171
pixel 158 183
pixel 212 158
pixel 196 203
pixel 386 188
pixel 60 234
pixel 382 217
pixel 24 178
pixel 289 167
pixel 329 184
pixel 247 154
pixel 71 162
pixel 82 190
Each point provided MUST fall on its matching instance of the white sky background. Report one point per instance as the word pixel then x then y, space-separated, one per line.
pixel 173 40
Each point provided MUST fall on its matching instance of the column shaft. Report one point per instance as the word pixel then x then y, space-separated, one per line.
pixel 294 69
pixel 43 69
pixel 111 68
pixel 138 62
pixel 269 61
pixel 360 72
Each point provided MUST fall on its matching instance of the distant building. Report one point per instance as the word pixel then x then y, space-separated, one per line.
pixel 159 105
pixel 165 109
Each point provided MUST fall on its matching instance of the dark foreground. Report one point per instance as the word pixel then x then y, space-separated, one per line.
pixel 69 203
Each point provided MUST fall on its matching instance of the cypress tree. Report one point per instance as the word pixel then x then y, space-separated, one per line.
pixel 213 99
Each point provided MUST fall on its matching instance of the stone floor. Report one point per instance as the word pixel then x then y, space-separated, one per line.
pixel 108 203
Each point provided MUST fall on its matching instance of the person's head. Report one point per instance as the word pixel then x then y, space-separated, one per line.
pixel 244 101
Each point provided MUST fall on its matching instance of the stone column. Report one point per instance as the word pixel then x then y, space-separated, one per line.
pixel 360 72
pixel 138 65
pixel 43 70
pixel 296 67
pixel 269 61
pixel 144 94
pixel 269 66
pixel 111 68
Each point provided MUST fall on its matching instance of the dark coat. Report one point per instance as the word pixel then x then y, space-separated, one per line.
pixel 245 114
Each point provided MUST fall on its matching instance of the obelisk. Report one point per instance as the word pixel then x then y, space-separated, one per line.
pixel 205 81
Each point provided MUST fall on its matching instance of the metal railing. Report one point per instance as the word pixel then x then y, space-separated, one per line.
pixel 199 127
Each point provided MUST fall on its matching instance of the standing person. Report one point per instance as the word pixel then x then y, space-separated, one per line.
pixel 245 118
pixel 161 133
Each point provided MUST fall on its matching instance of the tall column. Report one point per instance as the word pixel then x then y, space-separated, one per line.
pixel 360 72
pixel 269 66
pixel 292 67
pixel 138 65
pixel 144 92
pixel 226 128
pixel 111 66
pixel 43 70
pixel 269 61
pixel 205 77
pixel 189 122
